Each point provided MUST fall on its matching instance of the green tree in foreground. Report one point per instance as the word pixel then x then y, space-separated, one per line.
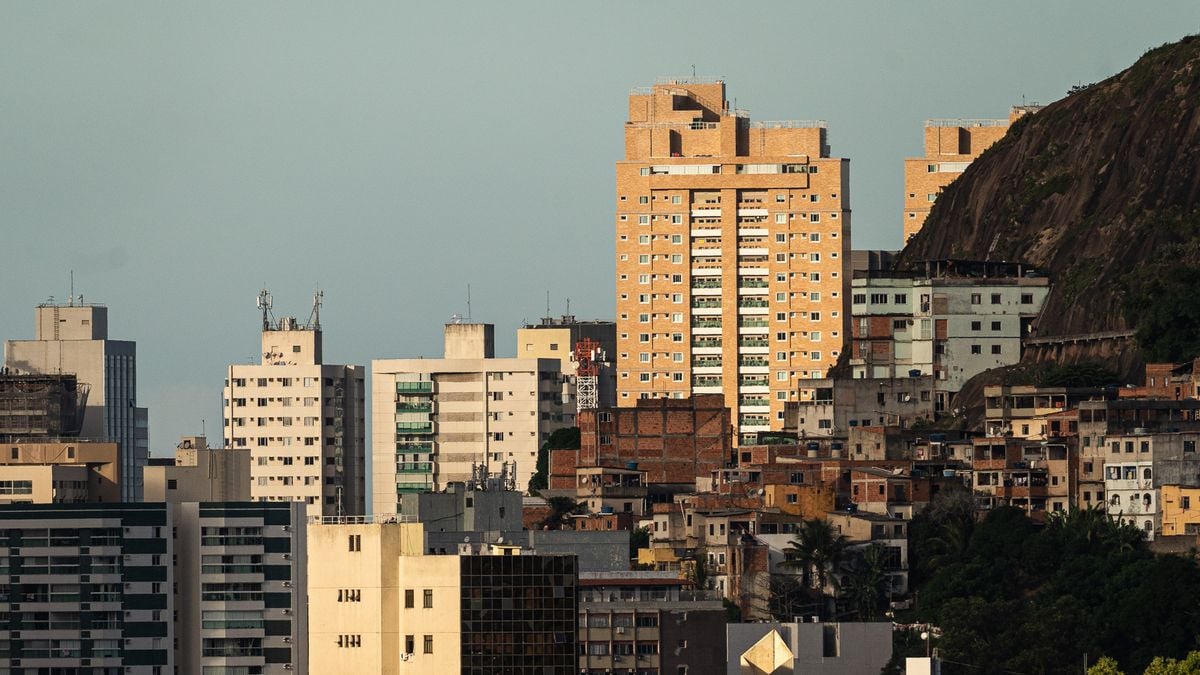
pixel 566 438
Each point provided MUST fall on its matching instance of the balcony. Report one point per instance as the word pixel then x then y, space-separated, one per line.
pixel 754 403
pixel 421 387
pixel 754 302
pixel 753 323
pixel 706 381
pixel 706 283
pixel 406 407
pixel 706 303
pixel 752 283
pixel 413 447
pixel 706 343
pixel 414 467
pixel 751 362
pixel 705 322
pixel 414 427
pixel 753 382
pixel 754 342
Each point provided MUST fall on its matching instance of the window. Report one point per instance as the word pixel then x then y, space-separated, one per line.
pixel 780 218
pixel 859 299
pixel 172 484
pixel 976 325
pixel 1026 298
pixel 355 542
pixel 644 259
pixel 410 644
pixel 995 349
pixel 428 644
pixel 643 199
pixel 644 239
pixel 814 217
pixel 976 349
pixel 976 299
pixel 676 199
pixel 409 599
pixel 995 298
pixel 814 257
pixel 428 598
pixel 643 220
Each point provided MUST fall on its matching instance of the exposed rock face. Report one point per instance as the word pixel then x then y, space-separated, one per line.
pixel 1100 189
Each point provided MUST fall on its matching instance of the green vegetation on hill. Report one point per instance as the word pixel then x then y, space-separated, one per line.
pixel 1012 596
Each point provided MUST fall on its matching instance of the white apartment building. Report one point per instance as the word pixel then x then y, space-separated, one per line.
pixel 73 338
pixel 438 421
pixel 302 419
pixel 954 321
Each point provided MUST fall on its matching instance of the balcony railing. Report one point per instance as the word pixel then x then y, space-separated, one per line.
pixel 753 402
pixel 753 323
pixel 422 387
pixel 700 342
pixel 706 283
pixel 753 343
pixel 414 467
pixel 753 302
pixel 705 323
pixel 411 447
pixel 753 382
pixel 414 407
pixel 753 363
pixel 701 381
pixel 414 427
pixel 706 303
pixel 707 363
pixel 752 283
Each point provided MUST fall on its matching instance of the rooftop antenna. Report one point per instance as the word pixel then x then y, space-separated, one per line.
pixel 468 303
pixel 693 72
pixel 547 303
pixel 314 318
pixel 264 303
pixel 568 307
pixel 71 297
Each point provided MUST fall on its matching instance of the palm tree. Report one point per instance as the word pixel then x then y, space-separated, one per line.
pixel 815 551
pixel 866 582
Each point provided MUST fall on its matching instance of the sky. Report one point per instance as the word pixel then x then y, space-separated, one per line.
pixel 180 156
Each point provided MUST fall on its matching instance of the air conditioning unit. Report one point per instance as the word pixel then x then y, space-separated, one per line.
pixel 287 612
pixel 287 666
pixel 287 528
pixel 287 639
pixel 287 584
pixel 287 556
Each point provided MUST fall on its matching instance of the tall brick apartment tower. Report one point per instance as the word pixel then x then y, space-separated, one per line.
pixel 950 147
pixel 733 253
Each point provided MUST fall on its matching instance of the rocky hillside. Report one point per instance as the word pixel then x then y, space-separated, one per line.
pixel 1100 189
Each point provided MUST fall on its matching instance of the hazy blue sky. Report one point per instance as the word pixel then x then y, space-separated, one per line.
pixel 179 156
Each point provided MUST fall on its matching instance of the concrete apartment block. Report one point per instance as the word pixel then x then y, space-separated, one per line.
pixel 733 253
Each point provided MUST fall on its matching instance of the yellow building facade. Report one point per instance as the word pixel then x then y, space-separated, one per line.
pixel 379 604
pixel 950 146
pixel 733 253
pixel 1180 510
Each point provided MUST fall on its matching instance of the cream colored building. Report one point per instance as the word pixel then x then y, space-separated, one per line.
pixel 199 473
pixel 439 421
pixel 45 472
pixel 950 146
pixel 556 339
pixel 302 420
pixel 378 604
pixel 73 339
pixel 733 253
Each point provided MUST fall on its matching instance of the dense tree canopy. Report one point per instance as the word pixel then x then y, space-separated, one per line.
pixel 1010 596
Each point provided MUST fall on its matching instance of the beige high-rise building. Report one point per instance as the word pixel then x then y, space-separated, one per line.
pixel 303 420
pixel 198 473
pixel 950 146
pixel 733 253
pixel 73 339
pixel 556 339
pixel 435 420
pixel 43 471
